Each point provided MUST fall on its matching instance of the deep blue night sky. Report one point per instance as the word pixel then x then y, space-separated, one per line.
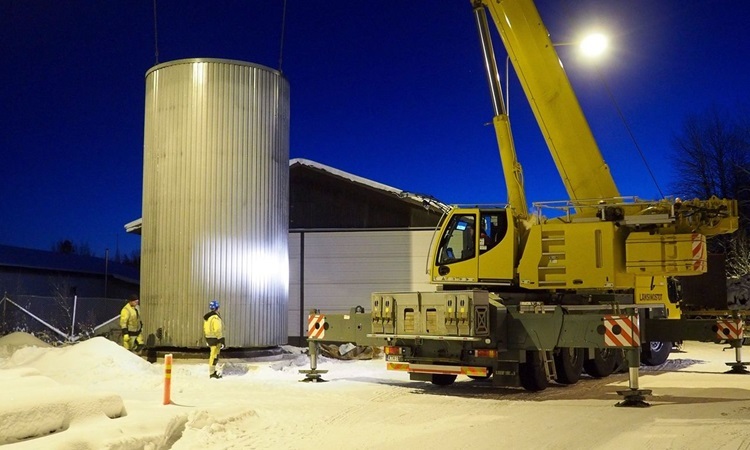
pixel 392 91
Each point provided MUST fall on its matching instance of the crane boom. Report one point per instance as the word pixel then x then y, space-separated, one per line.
pixel 511 167
pixel 572 145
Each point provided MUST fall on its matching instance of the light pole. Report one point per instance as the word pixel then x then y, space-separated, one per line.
pixel 106 270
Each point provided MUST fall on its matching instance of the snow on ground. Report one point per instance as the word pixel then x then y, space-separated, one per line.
pixel 96 395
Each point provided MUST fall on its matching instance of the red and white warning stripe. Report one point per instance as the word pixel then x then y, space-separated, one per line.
pixel 699 253
pixel 316 326
pixel 621 331
pixel 730 328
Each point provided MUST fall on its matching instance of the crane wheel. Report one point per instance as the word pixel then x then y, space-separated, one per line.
pixel 655 353
pixel 568 364
pixel 531 373
pixel 602 364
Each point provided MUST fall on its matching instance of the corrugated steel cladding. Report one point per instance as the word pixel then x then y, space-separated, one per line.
pixel 337 270
pixel 215 202
pixel 321 200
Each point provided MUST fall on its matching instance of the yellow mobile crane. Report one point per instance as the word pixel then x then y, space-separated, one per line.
pixel 526 299
pixel 601 246
pixel 602 241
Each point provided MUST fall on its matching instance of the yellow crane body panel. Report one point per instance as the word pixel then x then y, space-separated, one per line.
pixel 573 256
pixel 669 255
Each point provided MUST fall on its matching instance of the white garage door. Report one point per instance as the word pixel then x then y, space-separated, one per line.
pixel 337 270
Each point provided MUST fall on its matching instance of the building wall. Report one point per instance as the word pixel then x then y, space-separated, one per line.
pixel 42 300
pixel 16 281
pixel 707 291
pixel 336 270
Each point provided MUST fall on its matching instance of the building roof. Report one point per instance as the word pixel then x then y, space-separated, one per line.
pixel 422 199
pixel 44 260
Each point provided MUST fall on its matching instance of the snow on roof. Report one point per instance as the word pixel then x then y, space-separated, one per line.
pixel 418 198
pixel 134 226
pixel 346 175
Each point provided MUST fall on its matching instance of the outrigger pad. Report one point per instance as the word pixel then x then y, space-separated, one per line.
pixel 737 367
pixel 634 398
pixel 313 376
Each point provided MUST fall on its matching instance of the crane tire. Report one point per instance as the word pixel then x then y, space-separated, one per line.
pixel 531 373
pixel 602 364
pixel 568 364
pixel 655 353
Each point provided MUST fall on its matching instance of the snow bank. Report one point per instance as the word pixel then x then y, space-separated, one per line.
pixel 55 407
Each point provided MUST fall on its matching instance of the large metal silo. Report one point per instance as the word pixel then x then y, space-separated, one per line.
pixel 215 202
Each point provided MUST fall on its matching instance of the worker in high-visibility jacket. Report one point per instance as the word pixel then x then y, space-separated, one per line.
pixel 131 324
pixel 213 330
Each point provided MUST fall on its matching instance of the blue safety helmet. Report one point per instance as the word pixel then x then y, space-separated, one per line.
pixel 213 305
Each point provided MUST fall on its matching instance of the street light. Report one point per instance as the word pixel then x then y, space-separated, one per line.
pixel 594 45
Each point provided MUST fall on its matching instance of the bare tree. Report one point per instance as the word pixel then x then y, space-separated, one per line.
pixel 62 293
pixel 738 255
pixel 84 249
pixel 712 157
pixel 65 246
pixel 133 259
pixel 69 247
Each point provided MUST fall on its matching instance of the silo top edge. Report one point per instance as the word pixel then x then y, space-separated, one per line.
pixel 211 60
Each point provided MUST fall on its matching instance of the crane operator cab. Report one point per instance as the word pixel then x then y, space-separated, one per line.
pixel 476 246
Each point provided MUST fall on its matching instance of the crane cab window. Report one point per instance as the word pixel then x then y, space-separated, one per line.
pixel 493 226
pixel 459 241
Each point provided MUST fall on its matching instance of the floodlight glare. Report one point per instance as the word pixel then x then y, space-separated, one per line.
pixel 594 44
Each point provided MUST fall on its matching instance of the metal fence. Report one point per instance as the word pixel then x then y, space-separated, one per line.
pixel 60 319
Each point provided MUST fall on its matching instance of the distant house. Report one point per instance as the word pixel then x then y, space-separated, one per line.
pixel 56 288
pixel 26 271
